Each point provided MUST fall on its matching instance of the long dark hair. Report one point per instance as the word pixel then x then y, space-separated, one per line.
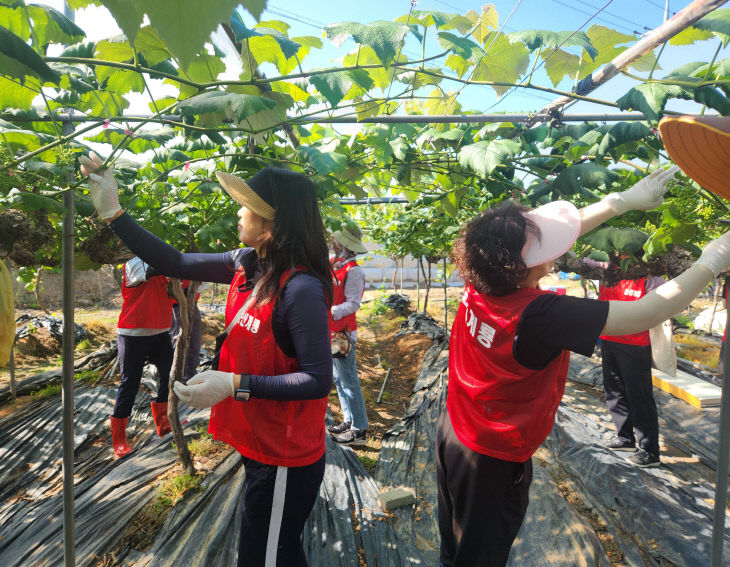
pixel 488 250
pixel 297 238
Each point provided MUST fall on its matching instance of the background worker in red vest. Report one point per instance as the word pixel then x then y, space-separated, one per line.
pixel 349 287
pixel 192 358
pixel 142 334
pixel 269 394
pixel 627 384
pixel 509 354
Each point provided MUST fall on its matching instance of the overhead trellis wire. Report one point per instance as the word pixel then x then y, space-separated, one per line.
pixel 530 117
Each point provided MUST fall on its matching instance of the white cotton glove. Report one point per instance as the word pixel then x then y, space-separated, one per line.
pixel 102 186
pixel 716 255
pixel 645 195
pixel 205 389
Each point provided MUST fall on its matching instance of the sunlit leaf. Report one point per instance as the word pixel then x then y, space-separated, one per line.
pixel 549 40
pixel 51 26
pixel 487 21
pixel 505 62
pixel 383 37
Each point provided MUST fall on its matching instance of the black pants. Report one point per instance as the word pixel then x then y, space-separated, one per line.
pixel 133 353
pixel 276 503
pixel 481 502
pixel 629 393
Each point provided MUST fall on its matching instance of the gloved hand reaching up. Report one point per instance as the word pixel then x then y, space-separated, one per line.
pixel 102 186
pixel 645 195
pixel 206 388
pixel 716 255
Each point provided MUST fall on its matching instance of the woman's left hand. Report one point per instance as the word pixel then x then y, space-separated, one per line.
pixel 206 388
pixel 645 195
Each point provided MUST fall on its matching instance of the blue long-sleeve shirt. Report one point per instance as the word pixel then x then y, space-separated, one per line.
pixel 300 319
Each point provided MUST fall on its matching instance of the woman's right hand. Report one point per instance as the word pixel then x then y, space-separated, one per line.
pixel 102 186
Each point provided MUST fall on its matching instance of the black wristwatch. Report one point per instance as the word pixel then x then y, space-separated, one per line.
pixel 243 393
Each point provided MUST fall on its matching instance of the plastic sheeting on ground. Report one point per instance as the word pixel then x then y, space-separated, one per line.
pixel 655 516
pixel 53 324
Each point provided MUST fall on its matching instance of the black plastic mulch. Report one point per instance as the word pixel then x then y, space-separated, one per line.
pixel 656 517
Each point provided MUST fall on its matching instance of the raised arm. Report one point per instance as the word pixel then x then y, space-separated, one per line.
pixel 164 258
pixel 626 317
pixel 645 195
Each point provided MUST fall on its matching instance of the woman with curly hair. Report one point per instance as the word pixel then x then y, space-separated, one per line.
pixel 509 352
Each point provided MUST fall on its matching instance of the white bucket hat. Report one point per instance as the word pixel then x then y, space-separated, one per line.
pixel 559 224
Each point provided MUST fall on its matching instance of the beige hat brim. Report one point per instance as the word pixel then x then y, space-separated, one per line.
pixel 244 195
pixel 559 224
pixel 700 146
pixel 350 242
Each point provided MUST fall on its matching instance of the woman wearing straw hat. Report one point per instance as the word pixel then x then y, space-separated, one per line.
pixel 268 396
pixel 349 287
pixel 509 353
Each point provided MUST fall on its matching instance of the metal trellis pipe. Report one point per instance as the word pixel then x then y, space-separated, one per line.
pixel 67 391
pixel 723 457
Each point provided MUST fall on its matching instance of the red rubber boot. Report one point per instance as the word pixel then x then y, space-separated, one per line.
pixel 119 436
pixel 159 414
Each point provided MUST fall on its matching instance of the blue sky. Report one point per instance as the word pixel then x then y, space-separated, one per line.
pixel 626 16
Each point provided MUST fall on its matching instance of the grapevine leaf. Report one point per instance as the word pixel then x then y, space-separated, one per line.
pixel 487 21
pixel 323 162
pixel 484 157
pixel 30 202
pixel 383 37
pixel 535 39
pixel 610 239
pixel 461 46
pixel 505 63
pixel 717 22
pixel 51 26
pixel 234 107
pixel 560 64
pixel 649 98
pixel 690 35
pixel 19 60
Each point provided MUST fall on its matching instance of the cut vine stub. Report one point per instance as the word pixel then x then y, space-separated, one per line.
pixel 700 145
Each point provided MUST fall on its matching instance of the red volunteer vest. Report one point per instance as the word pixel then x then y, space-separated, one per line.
pixel 497 406
pixel 626 290
pixel 145 306
pixel 350 321
pixel 280 433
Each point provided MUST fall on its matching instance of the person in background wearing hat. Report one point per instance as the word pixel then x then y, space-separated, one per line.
pixel 509 352
pixel 349 287
pixel 269 395
pixel 142 334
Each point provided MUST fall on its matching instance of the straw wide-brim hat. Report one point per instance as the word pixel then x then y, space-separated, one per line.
pixel 700 146
pixel 256 195
pixel 559 224
pixel 350 238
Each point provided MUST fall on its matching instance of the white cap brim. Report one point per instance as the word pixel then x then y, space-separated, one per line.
pixel 559 224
